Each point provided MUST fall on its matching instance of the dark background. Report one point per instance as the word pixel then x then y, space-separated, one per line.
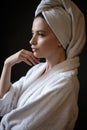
pixel 15 25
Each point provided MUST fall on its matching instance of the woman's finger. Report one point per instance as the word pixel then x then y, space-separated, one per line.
pixel 30 57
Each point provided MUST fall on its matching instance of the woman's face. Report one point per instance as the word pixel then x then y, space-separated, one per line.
pixel 44 43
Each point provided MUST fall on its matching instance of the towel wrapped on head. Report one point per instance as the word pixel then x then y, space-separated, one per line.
pixel 67 22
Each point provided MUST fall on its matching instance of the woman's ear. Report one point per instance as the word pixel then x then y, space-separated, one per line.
pixel 59 44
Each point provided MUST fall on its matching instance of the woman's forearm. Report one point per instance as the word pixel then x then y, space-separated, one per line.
pixel 22 55
pixel 5 79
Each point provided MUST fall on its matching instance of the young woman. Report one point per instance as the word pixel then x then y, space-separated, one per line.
pixel 46 98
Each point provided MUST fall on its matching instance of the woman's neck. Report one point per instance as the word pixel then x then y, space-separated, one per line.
pixel 56 59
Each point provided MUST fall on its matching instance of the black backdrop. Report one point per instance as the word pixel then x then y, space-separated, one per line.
pixel 16 21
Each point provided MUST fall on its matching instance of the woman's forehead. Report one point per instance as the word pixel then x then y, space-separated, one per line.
pixel 40 24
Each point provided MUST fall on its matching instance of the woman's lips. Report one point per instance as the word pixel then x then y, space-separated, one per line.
pixel 34 49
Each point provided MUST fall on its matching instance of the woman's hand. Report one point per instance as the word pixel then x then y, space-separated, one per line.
pixel 22 55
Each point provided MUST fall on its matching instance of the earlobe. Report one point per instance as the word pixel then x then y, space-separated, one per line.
pixel 59 44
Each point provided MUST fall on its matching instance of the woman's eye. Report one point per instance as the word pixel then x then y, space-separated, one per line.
pixel 41 34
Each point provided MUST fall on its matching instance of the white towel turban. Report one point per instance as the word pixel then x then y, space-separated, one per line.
pixel 67 22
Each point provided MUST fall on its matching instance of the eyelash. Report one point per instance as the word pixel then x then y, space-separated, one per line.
pixel 39 34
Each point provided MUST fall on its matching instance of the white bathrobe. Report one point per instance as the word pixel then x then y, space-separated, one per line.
pixel 43 102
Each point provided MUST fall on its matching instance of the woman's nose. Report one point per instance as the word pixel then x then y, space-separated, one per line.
pixel 33 40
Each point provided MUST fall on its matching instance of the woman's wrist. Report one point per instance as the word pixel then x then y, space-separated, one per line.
pixel 7 64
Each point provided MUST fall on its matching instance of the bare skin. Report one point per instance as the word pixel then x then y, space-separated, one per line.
pixel 22 55
pixel 44 44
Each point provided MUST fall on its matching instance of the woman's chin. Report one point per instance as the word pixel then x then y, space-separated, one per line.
pixel 37 55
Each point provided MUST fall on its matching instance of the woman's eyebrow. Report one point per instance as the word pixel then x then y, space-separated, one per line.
pixel 43 31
